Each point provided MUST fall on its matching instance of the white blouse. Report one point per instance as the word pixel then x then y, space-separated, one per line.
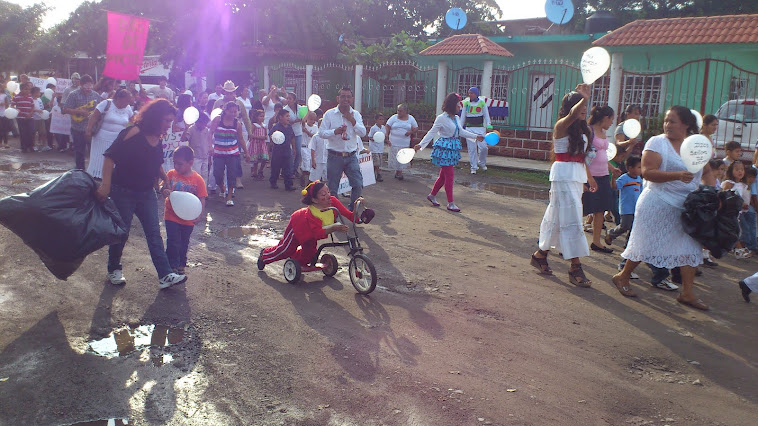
pixel 444 126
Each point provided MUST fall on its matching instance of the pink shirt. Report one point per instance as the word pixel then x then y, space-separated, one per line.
pixel 599 165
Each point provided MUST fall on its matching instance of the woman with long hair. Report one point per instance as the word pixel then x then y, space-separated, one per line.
pixel 658 236
pixel 132 166
pixel 115 115
pixel 561 226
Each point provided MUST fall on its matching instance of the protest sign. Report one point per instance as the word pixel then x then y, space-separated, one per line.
pixel 39 82
pixel 60 123
pixel 170 142
pixel 367 170
pixel 63 84
pixel 127 35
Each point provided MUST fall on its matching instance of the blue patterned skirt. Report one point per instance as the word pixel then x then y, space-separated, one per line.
pixel 446 152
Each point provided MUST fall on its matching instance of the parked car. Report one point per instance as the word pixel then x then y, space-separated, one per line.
pixel 738 121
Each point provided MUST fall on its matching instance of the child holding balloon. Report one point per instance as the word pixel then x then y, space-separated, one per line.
pixel 376 144
pixel 258 148
pixel 447 149
pixel 737 181
pixel 178 230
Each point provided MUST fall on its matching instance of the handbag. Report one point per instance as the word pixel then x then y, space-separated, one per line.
pixel 99 123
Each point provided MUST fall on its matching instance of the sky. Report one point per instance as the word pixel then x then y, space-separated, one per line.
pixel 512 9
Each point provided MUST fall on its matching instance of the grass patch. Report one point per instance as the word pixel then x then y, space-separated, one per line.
pixel 539 178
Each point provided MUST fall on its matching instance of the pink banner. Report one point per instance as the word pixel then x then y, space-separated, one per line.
pixel 127 36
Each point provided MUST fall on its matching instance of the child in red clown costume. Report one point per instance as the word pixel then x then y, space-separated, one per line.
pixel 308 225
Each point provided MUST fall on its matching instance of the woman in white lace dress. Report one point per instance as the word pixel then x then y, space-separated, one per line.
pixel 561 227
pixel 658 237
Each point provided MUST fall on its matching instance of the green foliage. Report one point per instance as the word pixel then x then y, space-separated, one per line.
pixel 421 111
pixel 19 31
pixel 400 47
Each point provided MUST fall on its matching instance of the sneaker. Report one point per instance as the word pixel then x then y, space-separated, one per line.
pixel 453 208
pixel 473 172
pixel 116 277
pixel 261 263
pixel 171 279
pixel 484 168
pixel 45 149
pixel 667 285
pixel 379 177
pixel 709 263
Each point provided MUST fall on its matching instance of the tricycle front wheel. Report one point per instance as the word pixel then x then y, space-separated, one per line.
pixel 292 271
pixel 362 274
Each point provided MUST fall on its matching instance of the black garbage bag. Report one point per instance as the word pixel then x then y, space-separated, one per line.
pixel 710 217
pixel 62 221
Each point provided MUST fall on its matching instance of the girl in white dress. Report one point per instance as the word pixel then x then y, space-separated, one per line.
pixel 400 128
pixel 658 236
pixel 117 114
pixel 561 226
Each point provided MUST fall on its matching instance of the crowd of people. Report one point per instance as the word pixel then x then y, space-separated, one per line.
pixel 642 196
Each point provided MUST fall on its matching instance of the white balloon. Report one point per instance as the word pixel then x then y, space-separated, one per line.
pixel 186 205
pixel 595 62
pixel 698 118
pixel 314 101
pixel 379 137
pixel 11 113
pixel 277 137
pixel 188 92
pixel 45 115
pixel 18 89
pixel 612 151
pixel 632 128
pixel 696 151
pixel 52 81
pixel 49 93
pixel 11 86
pixel 405 155
pixel 216 113
pixel 191 115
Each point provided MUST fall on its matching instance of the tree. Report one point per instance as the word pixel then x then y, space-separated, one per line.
pixel 400 47
pixel 18 37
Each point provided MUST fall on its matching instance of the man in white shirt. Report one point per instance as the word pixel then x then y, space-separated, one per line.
pixel 297 127
pixel 161 91
pixel 339 129
pixel 218 94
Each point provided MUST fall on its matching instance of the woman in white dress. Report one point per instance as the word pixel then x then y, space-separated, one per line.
pixel 400 128
pixel 561 227
pixel 116 115
pixel 658 237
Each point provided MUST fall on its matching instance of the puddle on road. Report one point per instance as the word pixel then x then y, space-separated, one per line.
pixel 517 191
pixel 123 341
pixel 270 217
pixel 103 422
pixel 260 236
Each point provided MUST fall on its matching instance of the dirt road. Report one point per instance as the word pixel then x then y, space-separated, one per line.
pixel 461 331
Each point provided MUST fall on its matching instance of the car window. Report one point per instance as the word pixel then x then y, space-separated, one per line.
pixel 739 111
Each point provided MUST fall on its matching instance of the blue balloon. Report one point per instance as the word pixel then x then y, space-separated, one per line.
pixel 559 11
pixel 455 18
pixel 492 138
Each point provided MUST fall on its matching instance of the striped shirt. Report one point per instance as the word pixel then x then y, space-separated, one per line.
pixel 225 140
pixel 24 105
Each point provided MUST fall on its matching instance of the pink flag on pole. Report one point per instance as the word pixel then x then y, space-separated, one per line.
pixel 127 36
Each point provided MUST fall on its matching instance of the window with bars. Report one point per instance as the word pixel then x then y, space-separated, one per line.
pixel 294 80
pixel 500 85
pixel 645 91
pixel 739 87
pixel 466 79
pixel 395 92
pixel 600 90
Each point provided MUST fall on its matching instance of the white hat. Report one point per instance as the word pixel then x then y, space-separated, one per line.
pixel 229 86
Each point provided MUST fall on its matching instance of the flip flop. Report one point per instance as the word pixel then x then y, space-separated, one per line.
pixel 696 303
pixel 626 290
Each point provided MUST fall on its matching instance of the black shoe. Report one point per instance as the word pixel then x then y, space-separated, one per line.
pixel 379 178
pixel 274 186
pixel 698 272
pixel 290 188
pixel 261 264
pixel 709 263
pixel 745 291
pixel 601 249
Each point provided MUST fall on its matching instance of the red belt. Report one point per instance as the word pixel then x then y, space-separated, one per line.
pixel 568 158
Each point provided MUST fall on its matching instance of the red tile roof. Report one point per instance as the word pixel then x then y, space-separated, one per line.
pixel 466 44
pixel 698 30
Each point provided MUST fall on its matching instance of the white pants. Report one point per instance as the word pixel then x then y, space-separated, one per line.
pixel 477 151
pixel 752 282
pixel 200 165
pixel 319 173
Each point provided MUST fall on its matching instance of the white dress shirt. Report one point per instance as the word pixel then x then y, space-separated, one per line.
pixel 444 126
pixel 333 120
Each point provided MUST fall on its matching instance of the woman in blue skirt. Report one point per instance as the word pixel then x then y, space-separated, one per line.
pixel 447 149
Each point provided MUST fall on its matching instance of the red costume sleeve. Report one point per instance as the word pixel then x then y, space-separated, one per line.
pixel 342 209
pixel 306 226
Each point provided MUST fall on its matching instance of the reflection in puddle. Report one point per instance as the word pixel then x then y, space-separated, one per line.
pixel 510 190
pixel 103 422
pixel 260 236
pixel 12 167
pixel 270 216
pixel 127 340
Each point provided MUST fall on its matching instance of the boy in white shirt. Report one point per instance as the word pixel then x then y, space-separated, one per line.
pixel 318 155
pixel 39 123
pixel 377 148
pixel 310 128
pixel 199 138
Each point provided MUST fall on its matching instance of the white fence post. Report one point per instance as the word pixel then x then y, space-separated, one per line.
pixel 358 90
pixel 441 84
pixel 614 89
pixel 308 80
pixel 487 80
pixel 266 78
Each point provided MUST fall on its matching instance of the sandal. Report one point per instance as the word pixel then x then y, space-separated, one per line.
pixel 623 289
pixel 541 263
pixel 577 277
pixel 600 248
pixel 696 303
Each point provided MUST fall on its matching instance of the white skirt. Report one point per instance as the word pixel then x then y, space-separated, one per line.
pixel 658 236
pixel 561 227
pixel 392 160
pixel 305 162
pixel 100 143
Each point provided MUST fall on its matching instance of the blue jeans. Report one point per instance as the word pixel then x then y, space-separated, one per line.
pixel 660 274
pixel 177 243
pixel 233 170
pixel 145 206
pixel 336 165
pixel 298 154
pixel 80 147
pixel 748 229
pixel 281 162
